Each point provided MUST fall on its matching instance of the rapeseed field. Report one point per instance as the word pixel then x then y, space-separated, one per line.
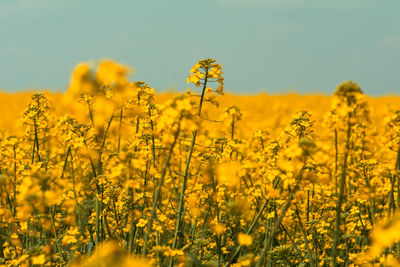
pixel 111 173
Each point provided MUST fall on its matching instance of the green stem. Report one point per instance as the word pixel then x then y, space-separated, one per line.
pixel 157 192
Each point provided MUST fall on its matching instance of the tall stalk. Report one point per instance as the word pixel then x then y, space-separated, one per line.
pixel 185 175
pixel 342 189
pixel 119 130
pixel 271 236
pixel 159 187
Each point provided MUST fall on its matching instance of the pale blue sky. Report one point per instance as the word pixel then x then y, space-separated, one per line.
pixel 308 46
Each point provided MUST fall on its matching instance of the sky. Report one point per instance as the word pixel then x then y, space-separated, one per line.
pixel 272 46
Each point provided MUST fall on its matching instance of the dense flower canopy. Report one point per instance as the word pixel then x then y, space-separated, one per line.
pixel 109 176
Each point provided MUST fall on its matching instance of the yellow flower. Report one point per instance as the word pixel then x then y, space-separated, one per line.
pixel 228 173
pixel 209 90
pixel 141 223
pixel 40 260
pixel 219 228
pixel 245 240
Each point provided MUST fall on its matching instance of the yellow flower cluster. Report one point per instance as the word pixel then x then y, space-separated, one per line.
pixel 207 71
